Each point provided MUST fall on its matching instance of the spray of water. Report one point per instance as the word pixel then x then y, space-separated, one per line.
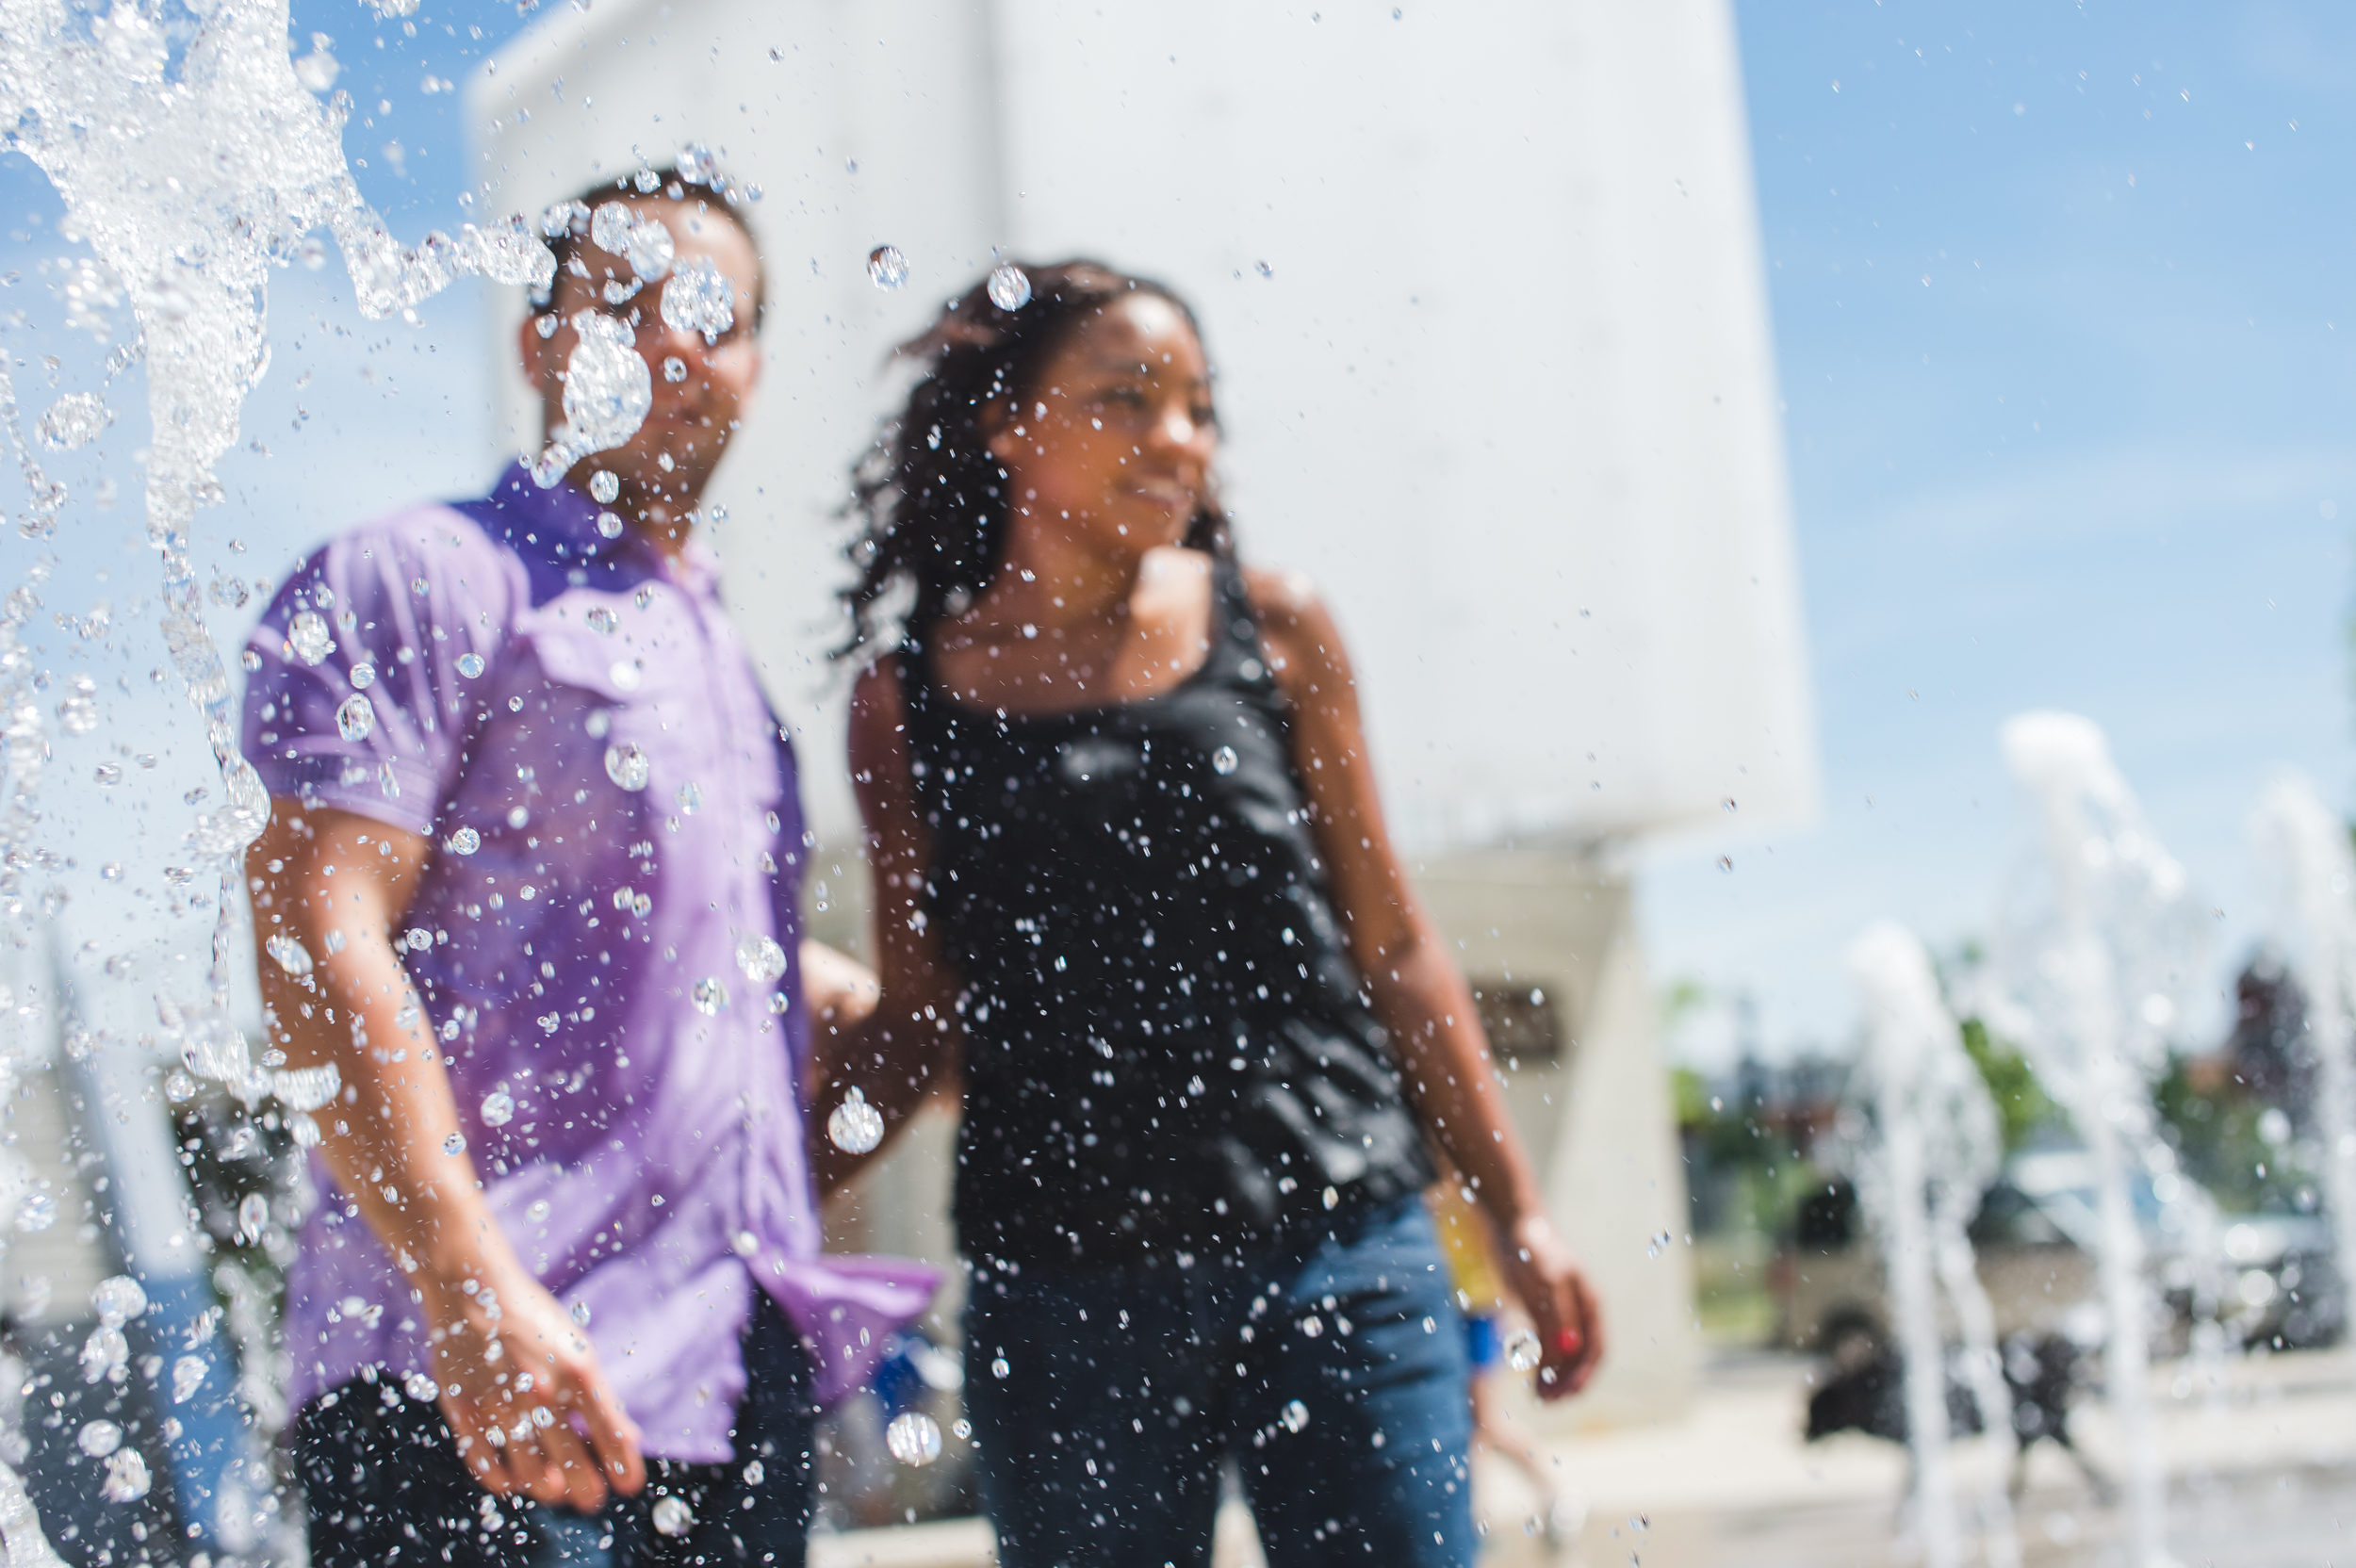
pixel 2096 946
pixel 2303 851
pixel 192 159
pixel 1937 1146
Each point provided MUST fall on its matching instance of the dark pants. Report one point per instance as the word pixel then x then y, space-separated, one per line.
pixel 1106 1401
pixel 383 1484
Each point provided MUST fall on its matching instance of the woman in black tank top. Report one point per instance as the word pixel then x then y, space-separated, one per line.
pixel 1135 895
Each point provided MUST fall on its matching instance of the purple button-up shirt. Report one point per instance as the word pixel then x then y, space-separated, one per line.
pixel 604 939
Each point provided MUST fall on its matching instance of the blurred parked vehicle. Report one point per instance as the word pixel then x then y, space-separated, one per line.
pixel 2036 1238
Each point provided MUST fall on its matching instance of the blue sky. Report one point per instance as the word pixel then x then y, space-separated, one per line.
pixel 2059 293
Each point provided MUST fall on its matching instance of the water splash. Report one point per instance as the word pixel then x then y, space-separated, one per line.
pixel 191 160
pixel 2303 851
pixel 1938 1145
pixel 2094 951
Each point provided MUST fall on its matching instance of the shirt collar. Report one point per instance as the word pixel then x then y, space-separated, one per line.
pixel 558 527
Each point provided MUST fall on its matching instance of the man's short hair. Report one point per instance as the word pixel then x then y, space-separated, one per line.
pixel 566 224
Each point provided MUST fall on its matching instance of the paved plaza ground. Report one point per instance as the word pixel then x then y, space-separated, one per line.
pixel 2261 1472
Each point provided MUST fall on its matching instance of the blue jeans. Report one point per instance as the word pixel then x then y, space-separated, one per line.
pixel 1333 1372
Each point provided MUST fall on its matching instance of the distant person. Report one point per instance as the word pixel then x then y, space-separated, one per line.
pixel 529 885
pixel 1481 1294
pixel 1135 896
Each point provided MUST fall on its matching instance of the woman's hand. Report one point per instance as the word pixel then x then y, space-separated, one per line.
pixel 1545 1276
pixel 516 1375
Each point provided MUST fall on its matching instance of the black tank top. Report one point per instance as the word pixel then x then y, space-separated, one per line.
pixel 1167 1045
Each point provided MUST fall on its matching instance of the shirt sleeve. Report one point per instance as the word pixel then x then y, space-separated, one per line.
pixel 368 669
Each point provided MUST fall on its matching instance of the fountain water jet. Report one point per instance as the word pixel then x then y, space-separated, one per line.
pixel 2304 849
pixel 2096 945
pixel 190 159
pixel 1937 1145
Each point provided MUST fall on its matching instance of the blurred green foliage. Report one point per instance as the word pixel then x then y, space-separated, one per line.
pixel 2021 1102
pixel 2216 1127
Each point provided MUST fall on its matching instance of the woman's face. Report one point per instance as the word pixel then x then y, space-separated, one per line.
pixel 1115 440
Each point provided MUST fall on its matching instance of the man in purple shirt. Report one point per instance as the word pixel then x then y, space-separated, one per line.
pixel 529 885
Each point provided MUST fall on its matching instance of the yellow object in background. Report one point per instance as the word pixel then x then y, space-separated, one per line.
pixel 1465 1239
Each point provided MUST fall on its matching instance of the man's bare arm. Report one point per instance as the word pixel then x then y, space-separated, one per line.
pixel 393 1140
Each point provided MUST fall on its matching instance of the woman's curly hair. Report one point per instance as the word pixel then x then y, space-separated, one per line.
pixel 929 495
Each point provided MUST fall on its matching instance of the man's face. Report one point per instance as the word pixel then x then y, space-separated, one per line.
pixel 701 389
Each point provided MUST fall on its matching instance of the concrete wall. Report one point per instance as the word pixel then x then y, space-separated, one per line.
pixel 1505 388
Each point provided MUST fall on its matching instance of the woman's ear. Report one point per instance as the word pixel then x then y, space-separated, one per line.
pixel 998 437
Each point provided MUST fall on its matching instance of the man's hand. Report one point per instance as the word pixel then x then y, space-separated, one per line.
pixel 1545 1278
pixel 316 873
pixel 522 1390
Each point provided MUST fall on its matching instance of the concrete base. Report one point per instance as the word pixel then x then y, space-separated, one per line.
pixel 1598 1117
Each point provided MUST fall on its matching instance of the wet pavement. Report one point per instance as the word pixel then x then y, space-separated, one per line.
pixel 2261 1459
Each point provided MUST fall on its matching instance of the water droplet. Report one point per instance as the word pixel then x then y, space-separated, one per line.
pixel 1009 286
pixel 711 995
pixel 1333 1198
pixel 1264 269
pixel 465 842
pixel 38 1213
pixel 609 524
pixel 755 1474
pixel 674 368
pixel 537 1211
pixel 418 1386
pixel 886 269
pixel 179 1087
pixel 291 954
pixel 604 487
pixel 187 1376
pixel 856 1126
pixel 602 619
pixel 99 1438
pixel 748 1244
pixel 78 715
pixel 253 1216
pixel 1296 1416
pixel 691 798
pixel 700 298
pixel 628 765
pixel 761 959
pixel 356 719
pixel 1312 1326
pixel 454 1144
pixel 999 1369
pixel 1725 862
pixel 470 665
pixel 1224 760
pixel 317 70
pixel 650 248
pixel 580 1313
pixel 126 1476
pixel 674 1517
pixel 914 1438
pixel 73 420
pixel 1521 1349
pixel 499 1109
pixel 608 390
pixel 308 635
pixel 118 1300
pixel 363 674
pixel 609 226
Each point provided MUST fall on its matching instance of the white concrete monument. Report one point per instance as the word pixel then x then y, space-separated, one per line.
pixel 1482 287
